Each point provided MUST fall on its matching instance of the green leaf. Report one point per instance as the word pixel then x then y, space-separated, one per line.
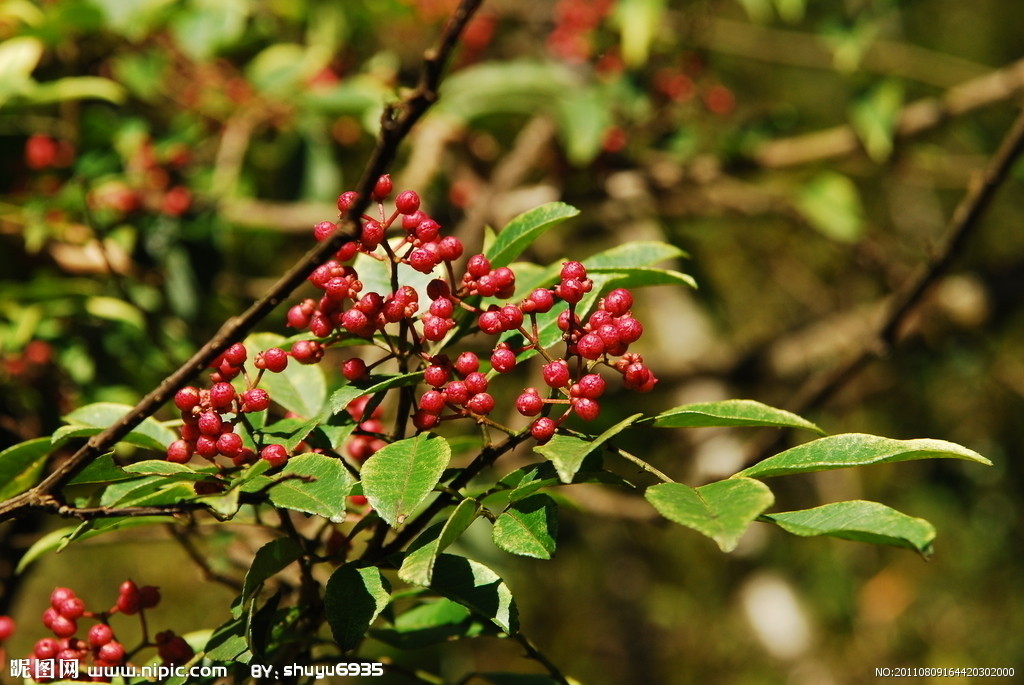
pixel 520 86
pixel 102 469
pixel 639 277
pixel 21 465
pixel 478 588
pixel 159 467
pixel 270 559
pixel 583 115
pixel 639 22
pixel 341 397
pixel 519 233
pixel 632 255
pixel 567 452
pixel 861 521
pixel 418 565
pixel 874 116
pixel 856 449
pixel 831 204
pixel 401 475
pixel 721 510
pixel 354 597
pixel 19 57
pixel 57 540
pixel 323 495
pixel 528 527
pixel 730 413
pixel 76 88
pixel 300 388
pixel 105 414
pixel 427 624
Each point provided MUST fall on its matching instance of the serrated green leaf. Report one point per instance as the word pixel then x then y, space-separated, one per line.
pixel 428 624
pixel 269 559
pixel 731 413
pixel 324 495
pixel 859 520
pixel 567 452
pixel 856 449
pixel 528 527
pixel 476 587
pixel 291 432
pixel 418 565
pixel 300 388
pixel 722 510
pixel 105 414
pixel 21 466
pixel 401 475
pixel 831 204
pixel 341 397
pixel 354 597
pixel 519 233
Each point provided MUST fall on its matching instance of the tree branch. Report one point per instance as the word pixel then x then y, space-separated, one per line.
pixel 396 123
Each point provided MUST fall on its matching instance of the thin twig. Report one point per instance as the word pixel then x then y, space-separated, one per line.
pixel 539 657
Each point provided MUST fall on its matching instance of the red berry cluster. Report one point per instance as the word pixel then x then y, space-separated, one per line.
pixel 100 647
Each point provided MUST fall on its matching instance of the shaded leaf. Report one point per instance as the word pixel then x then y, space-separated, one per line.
pixel 341 397
pixel 861 521
pixel 831 204
pixel 300 388
pixel 427 624
pixel 270 559
pixel 721 510
pixel 874 116
pixel 102 469
pixel 640 277
pixel 354 597
pixel 476 587
pixel 400 476
pixel 314 484
pixel 21 466
pixel 731 413
pixel 856 449
pixel 418 565
pixel 528 527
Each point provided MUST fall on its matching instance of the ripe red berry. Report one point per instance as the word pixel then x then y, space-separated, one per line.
pixel 618 302
pixel 347 200
pixel 7 627
pixel 442 307
pixel 565 318
pixel 275 455
pixel 112 652
pixel 407 202
pixel 186 398
pixel 449 248
pixel 503 359
pixel 172 649
pixel 586 408
pixel 529 403
pixel 274 359
pixel 100 634
pixel 432 402
pixel 481 403
pixel 228 444
pixel 61 595
pixel 435 328
pixel 478 265
pixel 590 346
pixel 63 627
pixel 572 290
pixel 574 270
pixel 511 317
pixel 354 369
pixel 467 363
pixel 179 451
pixel 372 234
pixel 542 429
pixel 46 648
pixel 436 376
pixel 210 423
pixel 423 260
pixel 149 596
pixel 206 446
pixel 71 608
pixel 556 374
pixel 323 230
pixel 382 188
pixel 423 420
pixel 591 386
pixel 629 329
pixel 307 351
pixel 255 399
pixel 475 382
pixel 222 395
pixel 490 322
pixel 236 354
pixel 456 392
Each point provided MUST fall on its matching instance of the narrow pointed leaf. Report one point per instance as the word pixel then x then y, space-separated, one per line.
pixel 567 452
pixel 528 527
pixel 731 413
pixel 634 254
pixel 353 599
pixel 720 510
pixel 856 449
pixel 477 588
pixel 524 229
pixel 400 476
pixel 21 466
pixel 314 484
pixel 341 397
pixel 418 566
pixel 861 521
pixel 639 277
pixel 300 388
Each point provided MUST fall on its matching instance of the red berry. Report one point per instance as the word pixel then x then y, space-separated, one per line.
pixel 456 392
pixel 46 648
pixel 372 234
pixel 438 288
pixel 432 402
pixel 572 290
pixel 72 608
pixel 307 351
pixel 61 595
pixel 63 627
pixel 206 446
pixel 618 302
pixel 529 403
pixel 490 322
pixel 244 456
pixel 629 329
pixel 407 202
pixel 586 408
pixel 354 370
pixel 540 300
pixel 382 188
pixel 113 652
pixel 100 634
pixel 435 328
pixel 275 455
pixel 467 363
pixel 179 451
pixel 436 376
pixel 40 151
pixel 590 346
pixel 255 399
pixel 511 317
pixel 186 398
pixel 347 200
pixel 449 248
pixel 591 386
pixel 274 360
pixel 565 318
pixel 503 359
pixel 481 403
pixel 542 429
pixel 222 395
pixel 7 627
pixel 572 270
pixel 423 420
pixel 423 260
pixel 228 444
pixel 149 596
pixel 478 265
pixel 556 374
pixel 236 354
pixel 210 423
pixel 503 277
pixel 173 649
pixel 442 307
pixel 323 230
pixel 475 382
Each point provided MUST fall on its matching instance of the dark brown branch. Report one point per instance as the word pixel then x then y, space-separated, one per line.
pixel 963 223
pixel 396 123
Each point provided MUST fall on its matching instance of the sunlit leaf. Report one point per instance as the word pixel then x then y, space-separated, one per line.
pixel 528 527
pixel 400 476
pixel 730 413
pixel 861 521
pixel 721 510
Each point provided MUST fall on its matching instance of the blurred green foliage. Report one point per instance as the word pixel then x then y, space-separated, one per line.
pixel 160 160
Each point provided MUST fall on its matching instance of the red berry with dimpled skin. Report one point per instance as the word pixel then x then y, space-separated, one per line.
pixel 46 648
pixel 618 301
pixel 629 329
pixel 210 423
pixel 307 351
pixel 323 230
pixel 423 420
pixel 556 374
pixel 423 260
pixel 228 444
pixel 573 270
pixel 503 359
pixel 382 188
pixel 179 451
pixel 467 363
pixel 586 408
pixel 60 595
pixel 572 290
pixel 354 370
pixel 274 360
pixel 475 382
pixel 590 346
pixel 112 652
pixel 7 627
pixel 478 265
pixel 407 202
pixel 442 307
pixel 456 392
pixel 542 429
pixel 72 608
pixel 206 446
pixel 490 323
pixel 436 376
pixel 372 234
pixel 100 634
pixel 186 398
pixel 449 248
pixel 244 456
pixel 275 455
pixel 511 317
pixel 435 328
pixel 591 386
pixel 529 403
pixel 432 402
pixel 539 301
pixel 236 354
pixel 63 627
pixel 222 395
pixel 347 200
pixel 481 403
pixel 255 399
pixel 172 649
pixel 427 232
pixel 565 318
